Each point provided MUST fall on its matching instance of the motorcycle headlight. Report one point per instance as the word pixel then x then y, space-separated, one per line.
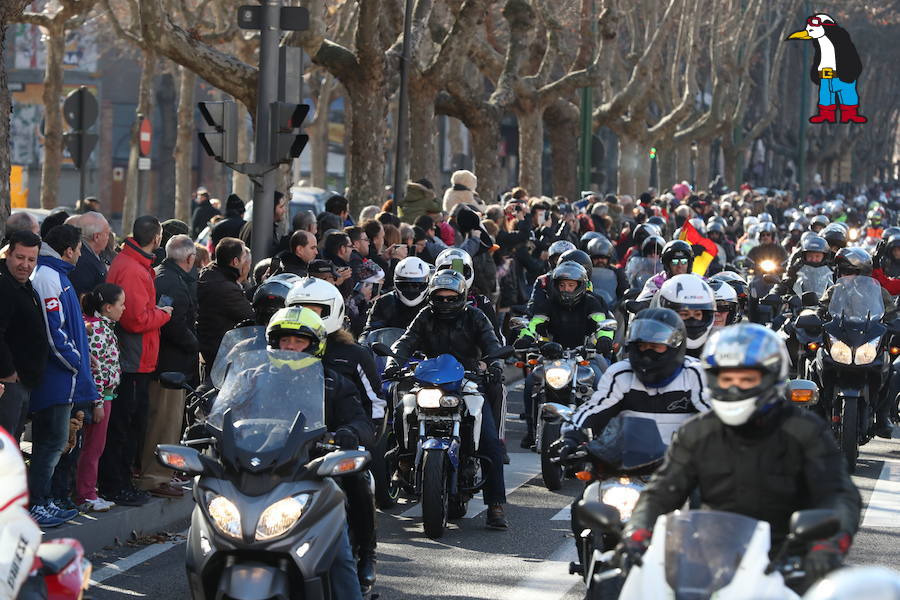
pixel 449 401
pixel 558 377
pixel 429 398
pixel 867 352
pixel 281 516
pixel 224 514
pixel 841 352
pixel 622 496
pixel 768 266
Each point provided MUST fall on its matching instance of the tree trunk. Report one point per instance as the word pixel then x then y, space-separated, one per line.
pixel 423 139
pixel 53 119
pixel 730 157
pixel 531 149
pixel 703 164
pixel 164 194
pixel 365 178
pixel 5 110
pixel 130 209
pixel 319 138
pixel 486 157
pixel 628 166
pixel 240 183
pixel 665 162
pixel 184 144
pixel 682 164
pixel 563 131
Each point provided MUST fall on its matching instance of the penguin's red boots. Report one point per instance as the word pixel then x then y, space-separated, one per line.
pixel 849 115
pixel 827 114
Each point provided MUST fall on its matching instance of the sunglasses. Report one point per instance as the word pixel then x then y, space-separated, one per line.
pixel 680 261
pixel 444 299
pixel 817 22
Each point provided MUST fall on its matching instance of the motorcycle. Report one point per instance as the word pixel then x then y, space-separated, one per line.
pixel 803 343
pixel 762 277
pixel 268 513
pixel 442 421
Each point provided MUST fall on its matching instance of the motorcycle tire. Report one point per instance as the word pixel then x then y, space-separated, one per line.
pixel 551 472
pixel 387 490
pixel 456 508
pixel 608 589
pixel 434 494
pixel 849 433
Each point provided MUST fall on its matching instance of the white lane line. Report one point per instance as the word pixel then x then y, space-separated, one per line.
pixel 564 515
pixel 549 579
pixel 133 560
pixel 522 467
pixel 883 510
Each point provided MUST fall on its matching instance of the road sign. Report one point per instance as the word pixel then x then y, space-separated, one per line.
pixel 143 163
pixel 80 109
pixel 80 145
pixel 145 137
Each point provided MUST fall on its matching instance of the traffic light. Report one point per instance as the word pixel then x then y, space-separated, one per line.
pixel 221 141
pixel 652 153
pixel 286 139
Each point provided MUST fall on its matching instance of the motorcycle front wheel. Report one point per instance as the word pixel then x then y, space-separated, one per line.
pixel 434 494
pixel 550 471
pixel 387 490
pixel 849 439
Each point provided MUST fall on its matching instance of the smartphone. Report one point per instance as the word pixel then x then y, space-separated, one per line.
pixel 165 301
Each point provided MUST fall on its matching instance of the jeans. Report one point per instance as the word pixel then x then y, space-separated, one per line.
pixel 63 481
pixel 489 446
pixel 127 426
pixel 13 408
pixel 344 581
pixel 835 91
pixel 49 434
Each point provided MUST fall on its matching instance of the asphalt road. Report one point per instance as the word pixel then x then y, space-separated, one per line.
pixel 527 562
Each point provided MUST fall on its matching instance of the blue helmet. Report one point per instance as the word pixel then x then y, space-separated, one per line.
pixel 745 346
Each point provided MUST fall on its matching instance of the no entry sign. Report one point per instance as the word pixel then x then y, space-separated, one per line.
pixel 145 137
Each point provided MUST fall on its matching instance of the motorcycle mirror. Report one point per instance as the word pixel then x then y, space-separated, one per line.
pixel 518 323
pixel 592 513
pixel 771 300
pixel 552 410
pixel 173 380
pixel 504 352
pixel 608 325
pixel 382 349
pixel 180 458
pixel 802 392
pixel 814 524
pixel 551 350
pixel 343 462
pixel 809 299
pixel 771 279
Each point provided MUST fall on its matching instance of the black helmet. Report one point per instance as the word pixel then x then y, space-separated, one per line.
pixel 852 261
pixel 820 221
pixel 271 296
pixel 580 257
pixel 449 306
pixel 677 249
pixel 656 326
pixel 890 232
pixel 600 248
pixel 653 245
pixel 715 227
pixel 642 232
pixel 659 222
pixel 814 243
pixel 557 249
pixel 835 236
pixel 585 239
pixel 567 269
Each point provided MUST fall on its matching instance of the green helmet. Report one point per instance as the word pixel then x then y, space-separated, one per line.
pixel 298 321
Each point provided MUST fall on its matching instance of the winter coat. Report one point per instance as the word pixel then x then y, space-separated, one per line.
pixel 140 323
pixel 23 332
pixel 357 365
pixel 202 214
pixel 67 378
pixel 288 262
pixel 390 311
pixel 568 326
pixel 89 272
pixel 417 201
pixel 228 227
pixel 221 304
pixel 178 346
pixel 104 348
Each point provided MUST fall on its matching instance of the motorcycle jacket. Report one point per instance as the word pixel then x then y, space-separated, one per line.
pixel 343 408
pixel 621 392
pixel 569 326
pixel 652 286
pixel 357 365
pixel 785 461
pixel 389 311
pixel 467 336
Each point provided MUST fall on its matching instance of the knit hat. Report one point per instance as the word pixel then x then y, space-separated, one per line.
pixel 173 227
pixel 234 204
pixel 462 190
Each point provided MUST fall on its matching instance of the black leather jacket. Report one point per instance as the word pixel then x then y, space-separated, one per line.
pixel 468 337
pixel 343 408
pixel 389 311
pixel 766 471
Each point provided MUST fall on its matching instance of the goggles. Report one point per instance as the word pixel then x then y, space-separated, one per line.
pixel 817 22
pixel 679 261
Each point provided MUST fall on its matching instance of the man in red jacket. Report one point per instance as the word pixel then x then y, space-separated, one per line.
pixel 138 351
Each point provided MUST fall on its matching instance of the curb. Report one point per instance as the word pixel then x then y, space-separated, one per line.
pixel 95 531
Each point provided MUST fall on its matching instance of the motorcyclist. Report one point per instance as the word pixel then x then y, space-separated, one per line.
pixel 726 304
pixel 740 287
pixel 889 256
pixel 768 247
pixel 602 254
pixel 448 325
pixel 640 233
pixel 716 232
pixel 818 223
pixel 399 307
pixel 813 253
pixel 692 298
pixel 795 230
pixel 677 259
pixel 754 454
pixel 836 237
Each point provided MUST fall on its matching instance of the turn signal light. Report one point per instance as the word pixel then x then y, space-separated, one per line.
pixel 584 363
pixel 532 361
pixel 804 396
pixel 616 347
pixel 895 350
pixel 519 364
pixel 583 475
pixel 836 419
pixel 813 346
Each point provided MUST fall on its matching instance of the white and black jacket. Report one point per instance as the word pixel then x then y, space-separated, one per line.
pixel 620 392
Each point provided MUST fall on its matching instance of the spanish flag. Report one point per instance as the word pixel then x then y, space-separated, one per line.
pixel 693 237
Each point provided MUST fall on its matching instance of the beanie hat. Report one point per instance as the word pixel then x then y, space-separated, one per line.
pixel 467 220
pixel 234 204
pixel 174 227
pixel 464 180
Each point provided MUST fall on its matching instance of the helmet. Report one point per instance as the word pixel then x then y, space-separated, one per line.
pixel 699 225
pixel 716 219
pixel 677 249
pixel 568 269
pixel 809 211
pixel 557 248
pixel 319 293
pixel 889 232
pixel 642 232
pixel 447 307
pixel 726 300
pixel 796 226
pixel 690 292
pixel 740 287
pixel 411 280
pixel 580 257
pixel 271 295
pixel 893 242
pixel 653 245
pixel 657 222
pixel 818 222
pixel 299 321
pixel 586 238
pixel 765 218
pixel 767 227
pixel 835 236
pixel 874 217
pixel 715 227
pixel 871 583
pixel 656 326
pixel 745 346
pixel 814 243
pixel 456 260
pixel 600 248
pixel 749 222
pixel 852 261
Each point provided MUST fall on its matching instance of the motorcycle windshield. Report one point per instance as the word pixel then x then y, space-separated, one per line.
pixel 814 279
pixel 385 335
pixel 235 342
pixel 640 269
pixel 704 550
pixel 856 297
pixel 265 391
pixel 628 443
pixel 604 282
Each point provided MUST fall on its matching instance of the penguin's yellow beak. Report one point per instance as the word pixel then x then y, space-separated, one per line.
pixel 800 35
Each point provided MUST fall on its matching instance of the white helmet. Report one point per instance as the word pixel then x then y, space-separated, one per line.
pixel 318 292
pixel 456 260
pixel 726 301
pixel 411 280
pixel 690 292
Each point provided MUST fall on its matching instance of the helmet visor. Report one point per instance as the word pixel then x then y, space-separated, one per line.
pixel 654 332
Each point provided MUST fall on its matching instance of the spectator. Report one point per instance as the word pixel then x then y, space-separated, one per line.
pixel 23 335
pixel 433 245
pixel 138 334
pixel 221 303
pixel 388 218
pixel 462 191
pixel 233 222
pixel 302 250
pixel 328 222
pixel 203 212
pixel 340 206
pixel 91 270
pixel 419 200
pixel 338 249
pixel 367 213
pixel 360 240
pixel 170 229
pixel 178 351
pixel 203 258
pixel 67 379
pixel 103 307
pixel 280 210
pixel 21 221
pixel 305 220
pixel 52 220
pixel 87 204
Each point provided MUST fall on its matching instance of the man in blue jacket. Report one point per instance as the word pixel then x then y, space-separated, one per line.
pixel 67 378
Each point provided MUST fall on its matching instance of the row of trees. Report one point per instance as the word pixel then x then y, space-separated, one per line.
pixel 665 73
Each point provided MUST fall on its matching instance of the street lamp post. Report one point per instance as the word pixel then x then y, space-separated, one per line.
pixel 400 156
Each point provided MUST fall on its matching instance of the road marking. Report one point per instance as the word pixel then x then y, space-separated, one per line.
pixel 522 467
pixel 133 560
pixel 564 515
pixel 549 579
pixel 883 511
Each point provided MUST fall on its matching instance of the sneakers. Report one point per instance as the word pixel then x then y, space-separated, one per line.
pixel 43 518
pixel 130 498
pixel 61 513
pixel 496 519
pixel 96 505
pixel 65 504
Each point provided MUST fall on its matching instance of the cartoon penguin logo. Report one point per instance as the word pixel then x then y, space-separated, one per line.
pixel 835 69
